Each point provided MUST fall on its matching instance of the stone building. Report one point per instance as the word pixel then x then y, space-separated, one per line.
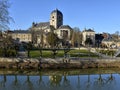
pixel 88 34
pixel 20 35
pixel 40 30
pixel 56 18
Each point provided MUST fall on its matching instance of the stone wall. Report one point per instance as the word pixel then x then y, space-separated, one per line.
pixel 58 63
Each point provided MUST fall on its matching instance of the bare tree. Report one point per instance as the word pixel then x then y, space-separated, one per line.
pixel 76 38
pixel 4 14
pixel 115 36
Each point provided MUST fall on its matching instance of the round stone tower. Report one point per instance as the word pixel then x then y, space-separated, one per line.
pixel 56 18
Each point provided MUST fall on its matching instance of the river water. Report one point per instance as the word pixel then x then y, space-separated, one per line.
pixel 90 79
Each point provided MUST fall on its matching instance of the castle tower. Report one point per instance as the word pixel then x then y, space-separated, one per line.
pixel 56 18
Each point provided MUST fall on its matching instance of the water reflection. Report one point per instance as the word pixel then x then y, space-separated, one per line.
pixel 60 81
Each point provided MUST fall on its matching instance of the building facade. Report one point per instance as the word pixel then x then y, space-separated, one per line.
pixel 55 24
pixel 88 34
pixel 56 18
pixel 20 35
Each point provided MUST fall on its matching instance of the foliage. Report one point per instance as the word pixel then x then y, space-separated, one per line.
pixel 8 46
pixel 28 47
pixel 1 51
pixel 88 41
pixel 9 53
pixel 52 39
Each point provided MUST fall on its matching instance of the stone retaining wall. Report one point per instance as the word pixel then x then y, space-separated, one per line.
pixel 59 63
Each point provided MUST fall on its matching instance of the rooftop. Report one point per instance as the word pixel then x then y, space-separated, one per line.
pixel 88 30
pixel 65 27
pixel 56 11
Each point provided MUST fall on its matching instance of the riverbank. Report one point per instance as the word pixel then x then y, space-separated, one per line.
pixel 58 63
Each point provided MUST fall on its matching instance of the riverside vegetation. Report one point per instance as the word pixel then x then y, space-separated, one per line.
pixel 78 59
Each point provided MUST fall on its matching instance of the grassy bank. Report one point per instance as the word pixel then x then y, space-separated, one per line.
pixel 60 53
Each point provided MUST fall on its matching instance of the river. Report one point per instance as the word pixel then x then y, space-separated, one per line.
pixel 85 79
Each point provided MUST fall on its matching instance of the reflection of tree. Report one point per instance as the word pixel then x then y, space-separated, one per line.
pixel 78 83
pixel 40 81
pixel 103 82
pixel 66 82
pixel 110 79
pixel 88 82
pixel 16 82
pixel 100 81
pixel 29 83
pixel 2 83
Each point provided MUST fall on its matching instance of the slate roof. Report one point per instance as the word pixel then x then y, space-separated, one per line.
pixel 42 24
pixel 21 31
pixel 65 27
pixel 57 11
pixel 88 30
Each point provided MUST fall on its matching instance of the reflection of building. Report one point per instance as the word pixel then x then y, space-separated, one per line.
pixel 88 34
pixel 55 24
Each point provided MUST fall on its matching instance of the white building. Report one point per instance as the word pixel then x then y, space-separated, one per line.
pixel 88 34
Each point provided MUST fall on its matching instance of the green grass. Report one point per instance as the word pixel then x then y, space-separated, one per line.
pixel 60 53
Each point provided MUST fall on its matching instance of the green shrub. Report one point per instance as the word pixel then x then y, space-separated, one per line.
pixel 1 52
pixel 11 53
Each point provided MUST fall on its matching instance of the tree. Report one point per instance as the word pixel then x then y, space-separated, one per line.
pixel 53 41
pixel 4 14
pixel 8 46
pixel 88 42
pixel 28 47
pixel 115 36
pixel 76 38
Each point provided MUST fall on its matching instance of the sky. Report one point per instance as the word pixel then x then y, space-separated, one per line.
pixel 100 15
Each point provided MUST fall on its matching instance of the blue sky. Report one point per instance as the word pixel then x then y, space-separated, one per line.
pixel 100 15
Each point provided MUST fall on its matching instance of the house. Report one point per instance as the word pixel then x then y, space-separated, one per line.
pixel 88 33
pixel 20 35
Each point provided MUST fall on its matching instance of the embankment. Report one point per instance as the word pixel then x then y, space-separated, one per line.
pixel 58 63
